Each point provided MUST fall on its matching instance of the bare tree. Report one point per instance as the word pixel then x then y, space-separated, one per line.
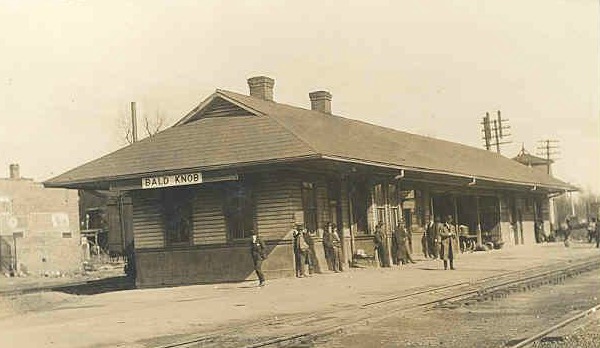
pixel 151 126
pixel 154 125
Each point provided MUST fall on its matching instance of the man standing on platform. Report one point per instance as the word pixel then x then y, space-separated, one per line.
pixel 300 250
pixel 328 246
pixel 449 243
pixel 378 241
pixel 430 240
pixel 336 250
pixel 437 241
pixel 257 249
pixel 425 243
pixel 311 255
pixel 402 252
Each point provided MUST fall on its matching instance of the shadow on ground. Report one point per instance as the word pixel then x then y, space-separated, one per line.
pixel 99 286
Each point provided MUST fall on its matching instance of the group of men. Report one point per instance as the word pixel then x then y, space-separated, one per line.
pixel 305 254
pixel 440 240
pixel 400 245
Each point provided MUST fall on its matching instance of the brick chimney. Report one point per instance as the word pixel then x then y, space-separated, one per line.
pixel 14 171
pixel 320 101
pixel 261 87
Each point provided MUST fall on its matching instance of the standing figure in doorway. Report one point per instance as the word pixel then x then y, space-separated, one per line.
pixel 328 246
pixel 311 255
pixel 402 248
pixel 337 250
pixel 257 249
pixel 449 246
pixel 425 242
pixel 431 239
pixel 437 239
pixel 378 241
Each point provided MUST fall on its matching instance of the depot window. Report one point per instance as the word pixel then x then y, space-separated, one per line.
pixel 178 209
pixel 239 210
pixel 309 205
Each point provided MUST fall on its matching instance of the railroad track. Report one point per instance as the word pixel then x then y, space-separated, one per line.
pixel 300 328
pixel 569 321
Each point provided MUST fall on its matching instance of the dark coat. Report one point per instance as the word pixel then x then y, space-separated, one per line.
pixel 430 231
pixel 378 239
pixel 258 250
pixel 449 240
pixel 300 243
pixel 399 240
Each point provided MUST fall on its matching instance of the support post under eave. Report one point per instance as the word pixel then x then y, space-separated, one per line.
pixel 350 220
pixel 454 199
pixel 479 238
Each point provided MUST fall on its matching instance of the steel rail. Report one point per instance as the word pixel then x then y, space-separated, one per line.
pixel 517 275
pixel 336 328
pixel 553 328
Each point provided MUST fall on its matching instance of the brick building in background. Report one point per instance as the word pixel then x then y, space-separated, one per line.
pixel 39 232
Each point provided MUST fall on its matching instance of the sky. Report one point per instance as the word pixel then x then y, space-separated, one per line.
pixel 69 69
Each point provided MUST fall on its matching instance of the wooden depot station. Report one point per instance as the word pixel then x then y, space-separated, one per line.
pixel 238 163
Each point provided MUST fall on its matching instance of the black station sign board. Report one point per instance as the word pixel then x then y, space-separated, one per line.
pixel 153 182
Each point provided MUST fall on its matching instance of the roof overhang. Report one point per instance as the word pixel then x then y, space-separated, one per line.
pixel 426 175
pixel 107 183
pixel 470 180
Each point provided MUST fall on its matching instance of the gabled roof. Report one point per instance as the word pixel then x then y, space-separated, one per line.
pixel 230 130
pixel 531 160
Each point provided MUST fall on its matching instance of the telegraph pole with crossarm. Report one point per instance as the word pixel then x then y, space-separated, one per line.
pixel 494 131
pixel 548 148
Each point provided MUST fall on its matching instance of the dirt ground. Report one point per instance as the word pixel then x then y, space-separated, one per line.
pixel 488 324
pixel 146 317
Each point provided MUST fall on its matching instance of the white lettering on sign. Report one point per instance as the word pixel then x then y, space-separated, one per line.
pixel 171 180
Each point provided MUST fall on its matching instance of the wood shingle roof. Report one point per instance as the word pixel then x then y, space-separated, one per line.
pixel 208 138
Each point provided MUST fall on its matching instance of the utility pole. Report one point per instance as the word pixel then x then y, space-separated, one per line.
pixel 487 132
pixel 548 148
pixel 498 127
pixel 133 123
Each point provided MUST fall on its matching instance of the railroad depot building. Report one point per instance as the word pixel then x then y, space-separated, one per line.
pixel 238 163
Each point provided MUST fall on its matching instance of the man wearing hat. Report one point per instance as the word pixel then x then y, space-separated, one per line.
pixel 257 249
pixel 301 250
pixel 449 245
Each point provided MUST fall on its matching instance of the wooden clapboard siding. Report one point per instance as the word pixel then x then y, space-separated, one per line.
pixel 371 211
pixel 528 209
pixel 209 221
pixel 115 240
pixel 222 108
pixel 344 229
pixel 545 209
pixel 323 213
pixel 528 219
pixel 148 228
pixel 345 207
pixel 506 231
pixel 273 197
pixel 426 202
